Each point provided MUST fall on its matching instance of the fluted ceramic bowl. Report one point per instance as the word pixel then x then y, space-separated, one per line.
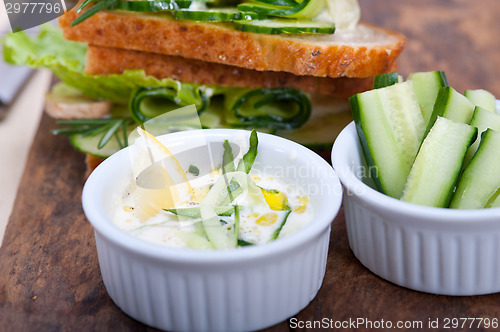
pixel 240 289
pixel 434 250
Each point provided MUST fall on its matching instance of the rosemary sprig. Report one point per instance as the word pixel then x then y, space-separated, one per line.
pixel 101 5
pixel 83 5
pixel 108 127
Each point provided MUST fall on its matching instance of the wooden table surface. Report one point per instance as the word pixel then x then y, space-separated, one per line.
pixel 49 274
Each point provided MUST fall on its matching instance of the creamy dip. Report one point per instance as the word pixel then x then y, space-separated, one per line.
pixel 268 208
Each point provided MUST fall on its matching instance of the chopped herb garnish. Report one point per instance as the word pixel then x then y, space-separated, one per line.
pixel 246 163
pixel 243 243
pixel 194 170
pixel 227 158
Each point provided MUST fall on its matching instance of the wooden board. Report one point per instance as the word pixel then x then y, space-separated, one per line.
pixel 49 274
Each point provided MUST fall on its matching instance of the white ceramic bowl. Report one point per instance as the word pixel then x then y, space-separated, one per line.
pixel 230 290
pixel 434 250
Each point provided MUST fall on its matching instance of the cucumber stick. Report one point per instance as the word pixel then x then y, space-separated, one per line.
pixel 452 105
pixel 391 128
pixel 482 119
pixel 383 80
pixel 427 85
pixel 479 184
pixel 438 163
pixel 494 201
pixel 483 98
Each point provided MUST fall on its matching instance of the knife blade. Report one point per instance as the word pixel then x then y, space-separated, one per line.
pixel 12 79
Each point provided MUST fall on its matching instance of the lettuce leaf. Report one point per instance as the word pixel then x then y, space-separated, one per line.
pixel 66 59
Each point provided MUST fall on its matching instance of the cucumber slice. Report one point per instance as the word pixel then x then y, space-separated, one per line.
pixel 483 98
pixel 279 26
pixel 479 184
pixel 222 3
pixel 209 15
pixel 438 163
pixel 150 6
pixel 306 9
pixel 427 85
pixel 482 119
pixel 88 144
pixel 391 128
pixel 452 105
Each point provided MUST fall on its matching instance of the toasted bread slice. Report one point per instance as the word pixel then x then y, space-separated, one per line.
pixel 106 60
pixel 363 52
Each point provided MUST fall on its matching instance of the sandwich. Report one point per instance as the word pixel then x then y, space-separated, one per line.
pixel 286 67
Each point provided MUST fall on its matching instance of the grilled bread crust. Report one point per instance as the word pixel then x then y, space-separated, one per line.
pixel 106 60
pixel 363 52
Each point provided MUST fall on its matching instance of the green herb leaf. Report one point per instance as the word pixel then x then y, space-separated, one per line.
pixel 227 158
pixel 278 230
pixel 246 163
pixel 113 127
pixel 243 243
pixel 194 170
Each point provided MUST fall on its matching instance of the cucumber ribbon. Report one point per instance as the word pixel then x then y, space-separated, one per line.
pixel 148 102
pixel 220 192
pixel 282 108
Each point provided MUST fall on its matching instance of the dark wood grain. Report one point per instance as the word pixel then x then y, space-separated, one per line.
pixel 49 274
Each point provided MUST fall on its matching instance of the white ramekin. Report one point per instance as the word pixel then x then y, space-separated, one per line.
pixel 434 250
pixel 230 290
